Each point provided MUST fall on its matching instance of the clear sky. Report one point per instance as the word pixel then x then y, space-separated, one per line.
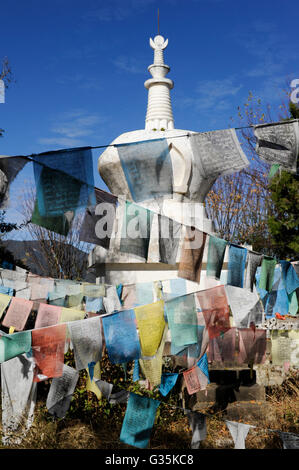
pixel 80 66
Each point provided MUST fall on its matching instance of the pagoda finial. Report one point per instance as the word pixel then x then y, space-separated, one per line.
pixel 159 112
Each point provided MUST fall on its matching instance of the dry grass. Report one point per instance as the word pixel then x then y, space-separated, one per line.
pixel 172 430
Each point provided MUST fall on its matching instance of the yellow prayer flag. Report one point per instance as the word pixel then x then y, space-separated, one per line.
pixel 4 301
pixel 91 386
pixel 152 368
pixel 71 314
pixel 285 347
pixel 151 324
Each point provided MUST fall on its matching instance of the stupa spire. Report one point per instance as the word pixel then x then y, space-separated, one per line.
pixel 159 111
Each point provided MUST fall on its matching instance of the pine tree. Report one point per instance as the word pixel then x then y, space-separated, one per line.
pixel 284 223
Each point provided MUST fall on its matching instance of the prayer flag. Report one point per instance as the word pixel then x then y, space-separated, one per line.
pixel 15 344
pixel 136 229
pixel 64 181
pixel 267 273
pixel 215 309
pixel 236 265
pixel 239 432
pixel 278 142
pixel 169 239
pixel 192 254
pixel 139 420
pixel 182 319
pixel 98 221
pixel 17 313
pixel 147 167
pixel 220 152
pixel 168 381
pixel 4 302
pixel 252 346
pixel 285 347
pixel 245 305
pixel 151 324
pixel 222 348
pixel 197 423
pixel 216 252
pixel 61 391
pixel 47 315
pixel 121 336
pixel 253 261
pixel 48 351
pixel 86 337
pixel 290 278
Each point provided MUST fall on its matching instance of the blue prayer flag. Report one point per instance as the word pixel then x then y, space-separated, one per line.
pixel 236 265
pixel 139 420
pixel 121 336
pixel 168 381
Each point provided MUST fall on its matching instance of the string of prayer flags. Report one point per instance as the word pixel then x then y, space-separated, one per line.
pixel 290 278
pixel 98 221
pixel 169 239
pixel 48 351
pixel 64 181
pixel 278 143
pixel 147 167
pixel 289 440
pixel 86 337
pixel 239 433
pixel 151 324
pixel 15 344
pixel 222 348
pixel 61 392
pixel 138 421
pixel 216 252
pixel 253 261
pixel 4 302
pixel 121 337
pixel 192 254
pixel 267 273
pixel 236 265
pixel 245 305
pixel 285 347
pixel 182 319
pixel 18 393
pixel 135 237
pixel 215 309
pixel 168 381
pixel 252 346
pixel 198 425
pixel 219 152
pixel 47 315
pixel 17 313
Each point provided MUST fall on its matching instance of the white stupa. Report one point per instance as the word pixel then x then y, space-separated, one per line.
pixel 185 204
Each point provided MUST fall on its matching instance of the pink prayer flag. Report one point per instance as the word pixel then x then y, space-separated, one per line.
pixel 17 313
pixel 215 309
pixel 252 346
pixel 192 380
pixel 47 315
pixel 48 350
pixel 222 348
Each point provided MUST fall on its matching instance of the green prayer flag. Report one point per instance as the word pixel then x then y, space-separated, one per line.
pixel 267 273
pixel 15 344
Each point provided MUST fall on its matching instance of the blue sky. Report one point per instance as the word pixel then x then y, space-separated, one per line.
pixel 80 66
